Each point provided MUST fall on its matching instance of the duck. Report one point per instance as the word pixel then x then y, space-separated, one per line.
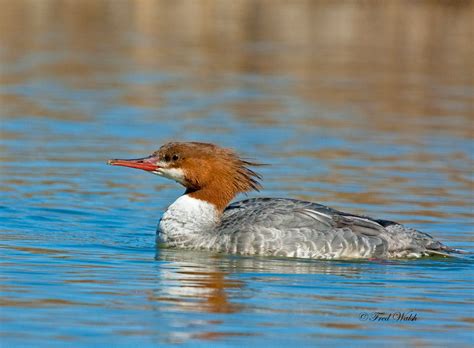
pixel 203 217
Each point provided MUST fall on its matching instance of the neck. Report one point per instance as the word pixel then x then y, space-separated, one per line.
pixel 217 195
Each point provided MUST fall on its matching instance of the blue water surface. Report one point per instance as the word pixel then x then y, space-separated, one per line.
pixel 79 264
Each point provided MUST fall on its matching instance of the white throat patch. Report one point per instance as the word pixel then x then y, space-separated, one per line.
pixel 176 174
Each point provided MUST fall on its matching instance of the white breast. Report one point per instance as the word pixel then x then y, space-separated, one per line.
pixel 188 222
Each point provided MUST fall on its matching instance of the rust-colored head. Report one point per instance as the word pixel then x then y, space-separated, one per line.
pixel 208 172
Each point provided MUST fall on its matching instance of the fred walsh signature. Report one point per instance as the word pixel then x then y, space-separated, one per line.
pixel 388 316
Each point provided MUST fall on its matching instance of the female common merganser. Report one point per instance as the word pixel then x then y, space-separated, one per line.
pixel 202 219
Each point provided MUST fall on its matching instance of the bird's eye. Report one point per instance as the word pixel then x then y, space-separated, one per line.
pixel 175 157
pixel 167 158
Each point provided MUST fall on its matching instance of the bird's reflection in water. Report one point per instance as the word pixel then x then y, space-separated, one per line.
pixel 193 284
pixel 214 283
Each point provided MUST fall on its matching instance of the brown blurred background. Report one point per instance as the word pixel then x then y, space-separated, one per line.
pixel 398 49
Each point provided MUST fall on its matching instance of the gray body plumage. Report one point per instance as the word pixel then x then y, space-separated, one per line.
pixel 294 228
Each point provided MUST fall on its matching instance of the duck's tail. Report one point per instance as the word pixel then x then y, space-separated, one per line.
pixel 444 250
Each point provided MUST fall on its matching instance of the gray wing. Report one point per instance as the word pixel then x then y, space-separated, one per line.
pixel 287 227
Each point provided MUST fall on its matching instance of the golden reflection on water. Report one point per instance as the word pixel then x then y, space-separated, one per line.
pixel 386 57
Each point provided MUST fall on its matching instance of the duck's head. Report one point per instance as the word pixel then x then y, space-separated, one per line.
pixel 204 169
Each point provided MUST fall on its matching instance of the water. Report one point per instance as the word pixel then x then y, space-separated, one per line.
pixel 368 109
